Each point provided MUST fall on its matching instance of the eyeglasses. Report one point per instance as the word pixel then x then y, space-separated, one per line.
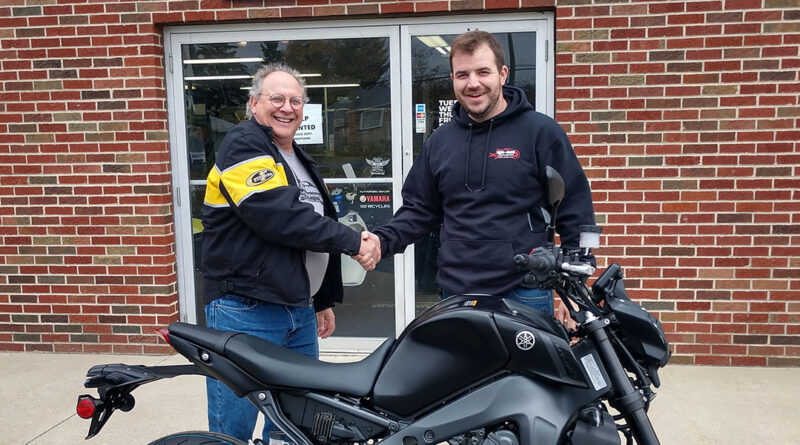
pixel 277 100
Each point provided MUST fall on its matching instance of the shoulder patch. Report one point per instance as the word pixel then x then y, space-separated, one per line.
pixel 259 177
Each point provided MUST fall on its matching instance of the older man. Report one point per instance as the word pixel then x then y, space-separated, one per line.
pixel 272 245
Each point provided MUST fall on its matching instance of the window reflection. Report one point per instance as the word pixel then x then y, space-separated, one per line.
pixel 347 120
pixel 346 128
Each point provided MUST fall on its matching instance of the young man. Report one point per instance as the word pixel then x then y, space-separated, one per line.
pixel 271 243
pixel 482 178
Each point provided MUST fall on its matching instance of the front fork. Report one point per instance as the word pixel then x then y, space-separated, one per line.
pixel 626 399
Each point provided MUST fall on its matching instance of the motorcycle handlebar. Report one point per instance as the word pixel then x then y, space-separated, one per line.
pixel 538 264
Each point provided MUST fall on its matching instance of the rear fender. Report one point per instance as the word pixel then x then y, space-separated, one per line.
pixel 115 382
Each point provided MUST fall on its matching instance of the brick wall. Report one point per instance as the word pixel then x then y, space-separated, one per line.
pixel 87 261
pixel 684 113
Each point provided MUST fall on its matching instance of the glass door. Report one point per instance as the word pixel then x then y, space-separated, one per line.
pixel 376 94
pixel 428 98
pixel 348 129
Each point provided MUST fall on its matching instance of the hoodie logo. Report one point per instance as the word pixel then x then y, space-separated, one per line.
pixel 505 153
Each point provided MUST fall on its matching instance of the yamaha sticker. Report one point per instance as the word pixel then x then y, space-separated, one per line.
pixel 594 372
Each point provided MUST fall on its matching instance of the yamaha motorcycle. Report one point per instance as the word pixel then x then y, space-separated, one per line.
pixel 471 369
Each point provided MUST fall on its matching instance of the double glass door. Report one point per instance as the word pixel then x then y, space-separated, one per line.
pixel 376 93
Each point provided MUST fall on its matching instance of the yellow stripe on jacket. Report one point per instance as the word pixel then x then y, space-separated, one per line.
pixel 242 180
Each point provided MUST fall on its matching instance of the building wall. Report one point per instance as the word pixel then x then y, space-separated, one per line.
pixel 684 114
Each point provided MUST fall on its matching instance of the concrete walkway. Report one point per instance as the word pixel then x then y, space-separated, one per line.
pixel 695 405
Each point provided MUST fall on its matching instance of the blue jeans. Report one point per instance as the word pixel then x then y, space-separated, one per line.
pixel 288 326
pixel 539 299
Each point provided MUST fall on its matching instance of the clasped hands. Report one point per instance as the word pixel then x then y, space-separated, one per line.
pixel 370 252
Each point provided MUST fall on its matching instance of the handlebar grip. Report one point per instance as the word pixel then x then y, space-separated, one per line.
pixel 521 260
pixel 534 263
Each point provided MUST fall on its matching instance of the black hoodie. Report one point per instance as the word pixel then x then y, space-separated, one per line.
pixel 485 184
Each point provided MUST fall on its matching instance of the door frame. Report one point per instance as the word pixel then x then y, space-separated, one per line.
pixel 399 31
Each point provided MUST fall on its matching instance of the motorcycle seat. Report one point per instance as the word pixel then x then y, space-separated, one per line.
pixel 277 366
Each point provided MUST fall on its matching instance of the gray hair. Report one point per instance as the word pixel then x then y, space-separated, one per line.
pixel 266 70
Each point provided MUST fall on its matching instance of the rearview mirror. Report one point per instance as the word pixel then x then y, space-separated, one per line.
pixel 555 187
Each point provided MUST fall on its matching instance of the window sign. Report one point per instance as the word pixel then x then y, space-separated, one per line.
pixel 446 111
pixel 310 131
pixel 420 118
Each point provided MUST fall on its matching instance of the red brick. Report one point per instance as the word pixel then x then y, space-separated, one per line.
pixel 394 8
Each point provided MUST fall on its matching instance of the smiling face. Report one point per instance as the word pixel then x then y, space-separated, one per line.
pixel 284 120
pixel 478 83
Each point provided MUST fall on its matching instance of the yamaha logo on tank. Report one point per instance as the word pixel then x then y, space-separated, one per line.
pixel 525 340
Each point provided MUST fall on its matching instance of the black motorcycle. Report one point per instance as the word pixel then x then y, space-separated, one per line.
pixel 470 370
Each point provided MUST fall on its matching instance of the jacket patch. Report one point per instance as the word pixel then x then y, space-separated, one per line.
pixel 260 177
pixel 505 153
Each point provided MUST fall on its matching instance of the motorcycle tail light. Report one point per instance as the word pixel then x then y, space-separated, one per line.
pixel 86 407
pixel 164 334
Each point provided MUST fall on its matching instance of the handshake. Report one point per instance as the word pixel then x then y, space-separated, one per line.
pixel 370 252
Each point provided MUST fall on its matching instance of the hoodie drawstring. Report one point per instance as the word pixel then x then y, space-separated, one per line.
pixel 466 173
pixel 485 158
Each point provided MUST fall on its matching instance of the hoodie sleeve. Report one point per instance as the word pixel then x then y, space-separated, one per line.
pixel 576 208
pixel 254 184
pixel 421 211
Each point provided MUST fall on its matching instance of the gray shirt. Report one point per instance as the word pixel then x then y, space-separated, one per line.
pixel 316 262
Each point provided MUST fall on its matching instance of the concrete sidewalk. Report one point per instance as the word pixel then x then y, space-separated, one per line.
pixel 695 405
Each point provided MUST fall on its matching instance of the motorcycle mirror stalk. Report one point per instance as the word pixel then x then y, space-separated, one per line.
pixel 555 193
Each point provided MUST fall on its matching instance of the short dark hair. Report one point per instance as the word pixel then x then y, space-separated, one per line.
pixel 471 40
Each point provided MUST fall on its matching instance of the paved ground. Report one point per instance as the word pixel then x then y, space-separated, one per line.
pixel 695 405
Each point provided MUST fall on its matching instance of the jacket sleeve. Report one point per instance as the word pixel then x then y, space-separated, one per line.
pixel 254 184
pixel 576 208
pixel 421 211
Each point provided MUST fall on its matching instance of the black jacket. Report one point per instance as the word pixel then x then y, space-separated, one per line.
pixel 485 184
pixel 256 232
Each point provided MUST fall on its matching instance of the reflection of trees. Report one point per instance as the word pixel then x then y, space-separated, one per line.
pixel 222 98
pixel 213 51
pixel 365 61
pixel 272 53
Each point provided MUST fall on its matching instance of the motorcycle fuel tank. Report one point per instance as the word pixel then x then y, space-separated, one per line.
pixel 460 342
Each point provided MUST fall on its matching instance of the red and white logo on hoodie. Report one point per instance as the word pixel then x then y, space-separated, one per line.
pixel 505 153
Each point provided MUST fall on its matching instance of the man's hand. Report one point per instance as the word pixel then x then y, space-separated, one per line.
pixel 326 322
pixel 370 252
pixel 563 316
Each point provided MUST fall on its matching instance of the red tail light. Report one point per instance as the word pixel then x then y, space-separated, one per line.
pixel 164 334
pixel 86 407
